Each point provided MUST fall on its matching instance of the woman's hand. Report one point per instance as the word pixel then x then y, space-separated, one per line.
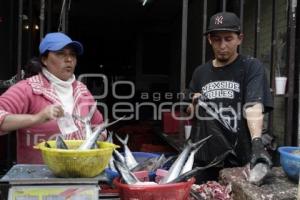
pixel 13 122
pixel 49 113
pixel 103 136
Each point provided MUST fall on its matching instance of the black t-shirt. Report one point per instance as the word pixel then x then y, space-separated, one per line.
pixel 228 90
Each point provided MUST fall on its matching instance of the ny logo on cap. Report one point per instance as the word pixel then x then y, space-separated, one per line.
pixel 219 20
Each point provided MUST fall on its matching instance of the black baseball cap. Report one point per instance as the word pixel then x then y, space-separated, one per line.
pixel 224 21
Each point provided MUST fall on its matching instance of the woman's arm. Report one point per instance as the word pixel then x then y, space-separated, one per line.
pixel 17 121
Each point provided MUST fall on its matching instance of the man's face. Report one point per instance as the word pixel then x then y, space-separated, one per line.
pixel 224 45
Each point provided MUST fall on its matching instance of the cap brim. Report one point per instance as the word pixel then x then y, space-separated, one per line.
pixel 74 44
pixel 221 29
pixel 77 46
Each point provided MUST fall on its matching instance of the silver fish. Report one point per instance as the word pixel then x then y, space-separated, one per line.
pixel 168 160
pixel 126 174
pixel 177 166
pixel 258 173
pixel 147 165
pixel 87 121
pixel 111 164
pixel 217 160
pixel 119 156
pixel 60 143
pixel 190 161
pixel 47 144
pixel 90 142
pixel 110 137
pixel 159 164
pixel 129 158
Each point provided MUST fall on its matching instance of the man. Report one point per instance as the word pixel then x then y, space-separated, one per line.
pixel 229 96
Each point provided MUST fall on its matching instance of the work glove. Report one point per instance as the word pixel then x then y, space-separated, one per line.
pixel 259 154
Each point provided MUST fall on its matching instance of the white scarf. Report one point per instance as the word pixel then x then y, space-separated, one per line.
pixel 63 89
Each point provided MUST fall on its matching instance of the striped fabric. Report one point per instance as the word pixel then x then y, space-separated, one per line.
pixel 23 98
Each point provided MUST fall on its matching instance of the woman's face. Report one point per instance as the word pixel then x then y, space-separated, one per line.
pixel 61 63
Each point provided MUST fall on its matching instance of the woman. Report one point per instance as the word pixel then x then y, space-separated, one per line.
pixel 35 105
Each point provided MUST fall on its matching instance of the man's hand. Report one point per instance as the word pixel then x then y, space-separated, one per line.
pixel 259 154
pixel 191 107
pixel 195 98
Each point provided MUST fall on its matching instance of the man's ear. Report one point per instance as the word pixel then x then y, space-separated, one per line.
pixel 241 36
pixel 208 38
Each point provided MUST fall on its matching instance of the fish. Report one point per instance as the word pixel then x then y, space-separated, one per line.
pixel 111 164
pixel 187 175
pixel 129 158
pixel 258 173
pixel 177 166
pixel 90 142
pixel 47 144
pixel 159 164
pixel 110 137
pixel 60 143
pixel 147 165
pixel 119 156
pixel 87 120
pixel 190 161
pixel 126 174
pixel 168 160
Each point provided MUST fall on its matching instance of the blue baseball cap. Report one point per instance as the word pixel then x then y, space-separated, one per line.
pixel 57 41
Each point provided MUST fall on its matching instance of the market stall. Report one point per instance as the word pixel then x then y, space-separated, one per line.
pixel 276 186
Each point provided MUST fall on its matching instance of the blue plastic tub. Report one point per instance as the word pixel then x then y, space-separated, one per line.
pixel 140 157
pixel 290 161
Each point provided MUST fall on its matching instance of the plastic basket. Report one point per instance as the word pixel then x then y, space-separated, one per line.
pixel 76 163
pixel 290 161
pixel 140 157
pixel 175 191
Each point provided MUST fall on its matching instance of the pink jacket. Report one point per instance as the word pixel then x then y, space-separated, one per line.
pixel 30 96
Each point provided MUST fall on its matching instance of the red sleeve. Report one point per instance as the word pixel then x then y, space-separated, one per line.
pixel 15 100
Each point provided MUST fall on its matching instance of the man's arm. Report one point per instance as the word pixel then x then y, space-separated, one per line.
pixel 254 116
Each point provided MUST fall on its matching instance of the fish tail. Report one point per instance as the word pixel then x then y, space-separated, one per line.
pixel 124 142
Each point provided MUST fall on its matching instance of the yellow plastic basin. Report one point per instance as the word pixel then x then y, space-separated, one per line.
pixel 72 163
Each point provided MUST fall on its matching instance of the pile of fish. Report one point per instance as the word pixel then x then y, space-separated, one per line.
pixel 128 160
pixel 181 169
pixel 91 136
